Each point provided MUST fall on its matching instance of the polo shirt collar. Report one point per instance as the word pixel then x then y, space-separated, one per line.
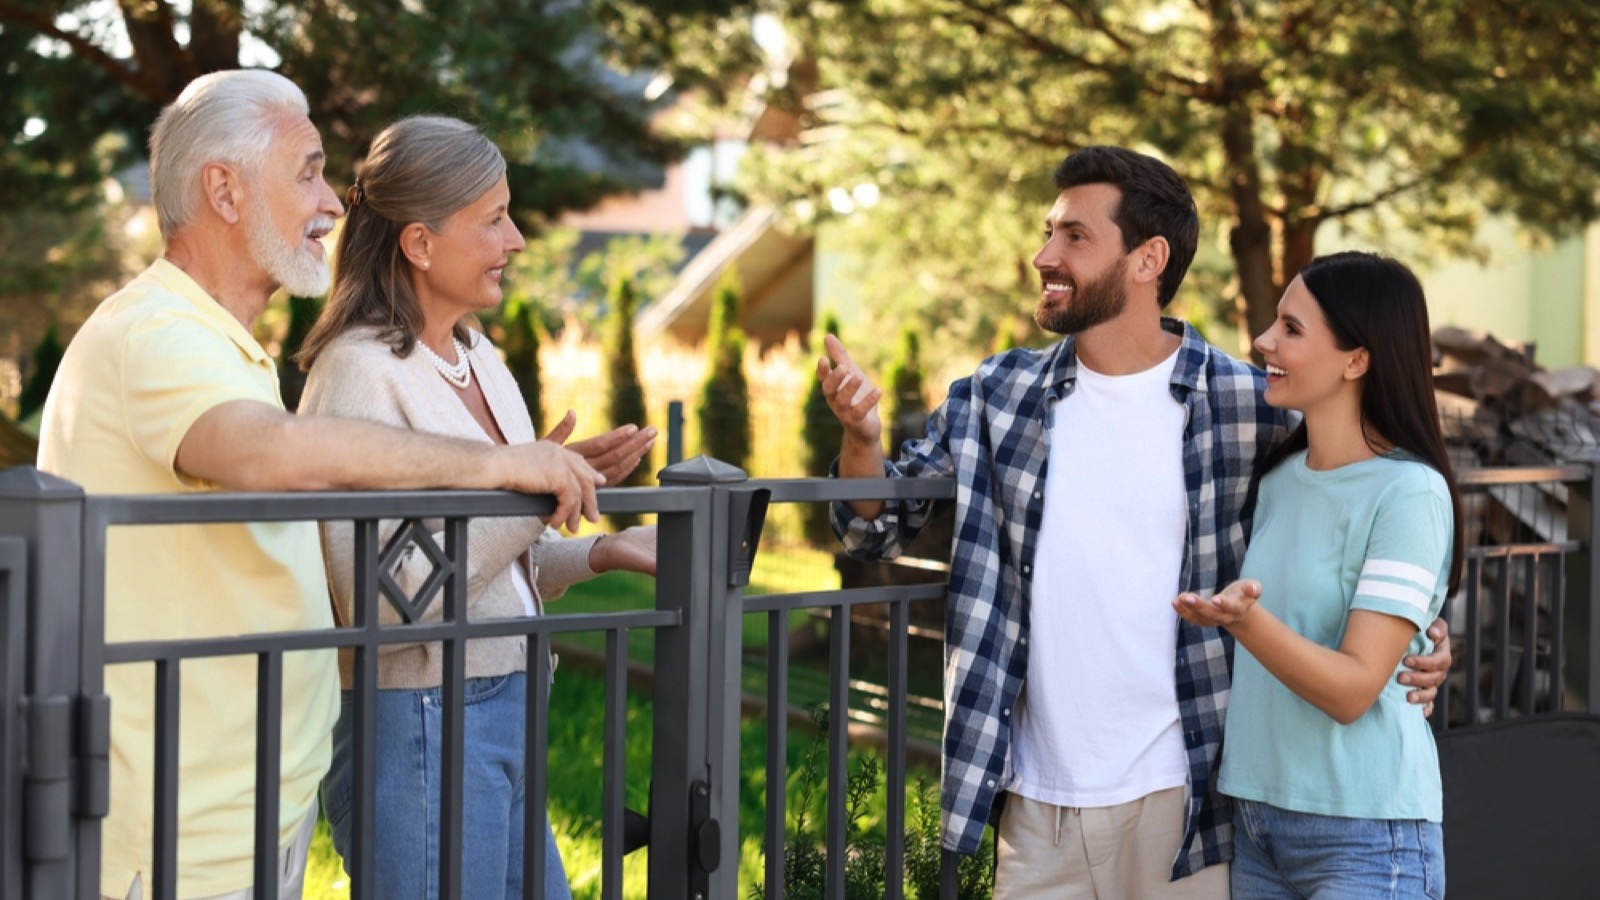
pixel 211 312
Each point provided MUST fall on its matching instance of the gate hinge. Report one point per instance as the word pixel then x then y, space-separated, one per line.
pixel 58 783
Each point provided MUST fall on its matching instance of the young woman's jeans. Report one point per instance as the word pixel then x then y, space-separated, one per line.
pixel 406 821
pixel 1278 853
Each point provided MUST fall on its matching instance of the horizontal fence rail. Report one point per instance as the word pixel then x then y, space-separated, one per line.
pixel 1522 630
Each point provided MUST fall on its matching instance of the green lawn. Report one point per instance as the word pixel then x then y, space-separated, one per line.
pixel 577 704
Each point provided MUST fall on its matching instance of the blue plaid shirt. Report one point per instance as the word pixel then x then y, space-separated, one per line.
pixel 992 435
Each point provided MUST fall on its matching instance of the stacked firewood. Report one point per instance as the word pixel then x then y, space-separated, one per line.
pixel 1502 408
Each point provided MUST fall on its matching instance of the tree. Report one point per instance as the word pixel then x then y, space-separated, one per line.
pixel 625 400
pixel 303 312
pixel 1287 118
pixel 520 329
pixel 821 435
pixel 46 359
pixel 534 75
pixel 908 407
pixel 725 399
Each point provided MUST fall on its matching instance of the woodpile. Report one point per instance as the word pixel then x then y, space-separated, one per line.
pixel 1503 409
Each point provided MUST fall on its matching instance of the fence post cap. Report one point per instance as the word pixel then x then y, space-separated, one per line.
pixel 27 482
pixel 702 469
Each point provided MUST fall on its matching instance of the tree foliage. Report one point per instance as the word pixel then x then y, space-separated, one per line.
pixel 520 336
pixel 908 405
pixel 536 76
pixel 625 402
pixel 1378 120
pixel 46 359
pixel 821 435
pixel 724 410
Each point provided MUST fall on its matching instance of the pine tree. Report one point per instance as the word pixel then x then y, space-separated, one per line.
pixel 625 402
pixel 725 399
pixel 46 359
pixel 821 434
pixel 519 323
pixel 908 408
pixel 303 312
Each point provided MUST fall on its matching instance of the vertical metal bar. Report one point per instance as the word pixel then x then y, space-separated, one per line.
pixel 1582 498
pixel 678 727
pixel 1502 642
pixel 1530 631
pixel 1441 706
pixel 838 747
pixel 164 878
pixel 536 781
pixel 453 699
pixel 949 875
pixel 1558 636
pixel 49 513
pixel 94 801
pixel 777 750
pixel 895 782
pixel 674 432
pixel 364 731
pixel 1474 638
pixel 269 739
pixel 615 764
pixel 13 680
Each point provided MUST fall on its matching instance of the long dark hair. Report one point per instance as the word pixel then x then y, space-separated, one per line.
pixel 1375 302
pixel 420 169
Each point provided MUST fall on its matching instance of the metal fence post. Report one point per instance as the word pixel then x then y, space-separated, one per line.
pixel 1582 621
pixel 704 560
pixel 57 849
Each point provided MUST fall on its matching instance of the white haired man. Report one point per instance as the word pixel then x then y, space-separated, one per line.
pixel 165 391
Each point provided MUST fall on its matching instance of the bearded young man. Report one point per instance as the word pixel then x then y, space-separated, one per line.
pixel 1078 707
pixel 165 391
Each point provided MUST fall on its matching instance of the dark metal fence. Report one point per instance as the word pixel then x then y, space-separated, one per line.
pixel 1525 611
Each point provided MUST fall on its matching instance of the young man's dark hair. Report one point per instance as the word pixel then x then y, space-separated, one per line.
pixel 1155 202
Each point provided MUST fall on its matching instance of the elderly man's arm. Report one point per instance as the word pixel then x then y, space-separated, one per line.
pixel 252 446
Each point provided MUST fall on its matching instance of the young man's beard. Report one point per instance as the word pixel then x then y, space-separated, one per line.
pixel 1094 303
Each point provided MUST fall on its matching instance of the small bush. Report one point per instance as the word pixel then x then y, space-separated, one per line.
pixel 626 399
pixel 805 862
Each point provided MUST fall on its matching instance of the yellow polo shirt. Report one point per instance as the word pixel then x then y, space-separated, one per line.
pixel 150 361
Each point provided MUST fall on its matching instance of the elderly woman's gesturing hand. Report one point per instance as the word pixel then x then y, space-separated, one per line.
pixel 614 454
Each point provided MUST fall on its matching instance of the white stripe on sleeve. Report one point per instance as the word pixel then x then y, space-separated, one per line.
pixel 1393 568
pixel 1388 590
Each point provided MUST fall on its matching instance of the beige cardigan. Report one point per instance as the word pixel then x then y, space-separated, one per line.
pixel 357 376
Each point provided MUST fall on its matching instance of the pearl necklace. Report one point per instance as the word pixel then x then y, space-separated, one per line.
pixel 458 375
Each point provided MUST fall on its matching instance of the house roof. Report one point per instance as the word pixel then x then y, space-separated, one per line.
pixel 775 269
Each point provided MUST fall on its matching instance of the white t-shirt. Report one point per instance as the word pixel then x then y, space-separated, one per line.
pixel 1098 722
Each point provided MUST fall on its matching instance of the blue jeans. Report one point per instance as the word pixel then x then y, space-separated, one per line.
pixel 406 820
pixel 1278 853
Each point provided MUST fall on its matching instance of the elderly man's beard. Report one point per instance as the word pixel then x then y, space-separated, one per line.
pixel 293 267
pixel 1091 304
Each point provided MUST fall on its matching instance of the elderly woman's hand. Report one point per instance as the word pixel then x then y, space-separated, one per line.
pixel 630 550
pixel 614 454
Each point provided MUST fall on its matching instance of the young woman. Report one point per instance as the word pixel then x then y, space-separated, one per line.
pixel 423 250
pixel 1356 544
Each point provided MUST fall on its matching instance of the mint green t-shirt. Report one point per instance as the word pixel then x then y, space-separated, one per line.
pixel 1374 535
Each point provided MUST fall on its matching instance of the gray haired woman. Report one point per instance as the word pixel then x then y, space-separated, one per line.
pixel 424 249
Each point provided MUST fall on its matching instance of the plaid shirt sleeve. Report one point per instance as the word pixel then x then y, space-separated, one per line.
pixel 887 536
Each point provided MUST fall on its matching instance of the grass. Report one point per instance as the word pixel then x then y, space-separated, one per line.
pixel 578 699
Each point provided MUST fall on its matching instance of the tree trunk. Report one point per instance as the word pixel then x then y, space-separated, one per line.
pixel 1250 238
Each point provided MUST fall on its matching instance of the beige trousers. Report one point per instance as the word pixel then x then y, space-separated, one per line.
pixel 291 869
pixel 1122 852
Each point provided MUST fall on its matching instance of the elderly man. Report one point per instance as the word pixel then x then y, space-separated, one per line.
pixel 165 391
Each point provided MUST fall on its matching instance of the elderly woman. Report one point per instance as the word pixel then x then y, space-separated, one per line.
pixel 423 251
